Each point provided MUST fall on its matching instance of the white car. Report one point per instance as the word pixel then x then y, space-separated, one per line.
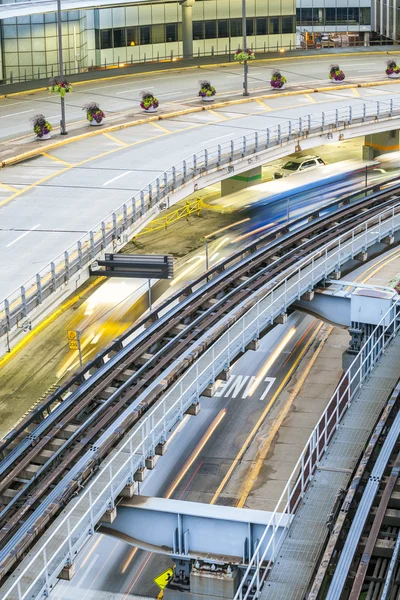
pixel 299 164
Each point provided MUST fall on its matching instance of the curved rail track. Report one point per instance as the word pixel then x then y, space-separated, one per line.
pixel 40 453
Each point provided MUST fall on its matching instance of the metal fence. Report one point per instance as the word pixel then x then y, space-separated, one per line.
pixel 37 577
pixel 147 203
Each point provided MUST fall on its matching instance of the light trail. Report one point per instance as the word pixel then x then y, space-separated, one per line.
pixel 250 233
pixel 141 569
pixel 188 270
pixel 225 228
pixel 128 561
pixel 195 455
pixel 270 360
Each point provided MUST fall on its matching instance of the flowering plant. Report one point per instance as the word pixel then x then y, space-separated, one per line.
pixel 243 55
pixel 392 68
pixel 206 89
pixel 277 80
pixel 148 100
pixel 93 112
pixel 336 73
pixel 40 126
pixel 59 87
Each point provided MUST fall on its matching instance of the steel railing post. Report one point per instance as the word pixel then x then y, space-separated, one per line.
pixel 391 107
pixel 39 288
pixel 290 130
pixel 115 228
pixel 66 262
pixel 165 190
pixel 23 301
pixel 206 159
pixel 256 142
pixel 184 165
pixel 219 160
pixel 232 151
pixel 309 122
pixel 158 186
pixel 268 139
pixel 92 247
pixel 364 118
pixel 279 135
pixel 103 234
pixel 336 118
pixel 142 204
pixel 350 115
pixel 378 109
pixel 80 258
pixel 125 213
pixel 173 177
pixel 194 164
pixel 244 148
pixel 53 276
pixel 300 126
pixel 323 121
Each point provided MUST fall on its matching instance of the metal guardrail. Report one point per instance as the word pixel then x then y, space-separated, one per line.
pixel 144 205
pixel 38 576
pixel 316 446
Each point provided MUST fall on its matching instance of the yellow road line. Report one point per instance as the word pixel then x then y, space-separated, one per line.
pixel 310 98
pixel 114 139
pixel 9 187
pixel 356 92
pixel 259 462
pixel 262 103
pixel 160 127
pixel 64 162
pixel 217 114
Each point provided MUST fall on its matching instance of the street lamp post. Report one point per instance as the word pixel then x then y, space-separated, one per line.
pixel 60 58
pixel 246 66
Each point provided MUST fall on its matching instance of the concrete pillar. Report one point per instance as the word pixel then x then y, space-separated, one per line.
pixel 366 38
pixel 381 143
pixel 187 28
pixel 240 182
pixel 67 572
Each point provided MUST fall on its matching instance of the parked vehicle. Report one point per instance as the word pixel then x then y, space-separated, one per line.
pixel 297 164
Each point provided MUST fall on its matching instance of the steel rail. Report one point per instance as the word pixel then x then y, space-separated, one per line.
pixel 248 320
pixel 351 216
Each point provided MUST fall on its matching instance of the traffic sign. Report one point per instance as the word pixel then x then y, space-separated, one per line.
pixel 73 344
pixel 73 335
pixel 164 578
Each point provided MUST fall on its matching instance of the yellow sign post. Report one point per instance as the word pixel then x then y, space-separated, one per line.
pixel 74 342
pixel 164 578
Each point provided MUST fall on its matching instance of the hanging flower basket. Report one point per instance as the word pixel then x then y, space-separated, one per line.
pixel 336 74
pixel 392 69
pixel 278 81
pixel 94 114
pixel 244 55
pixel 59 87
pixel 207 91
pixel 41 127
pixel 149 103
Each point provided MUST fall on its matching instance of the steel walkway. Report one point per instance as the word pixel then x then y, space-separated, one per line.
pixel 291 573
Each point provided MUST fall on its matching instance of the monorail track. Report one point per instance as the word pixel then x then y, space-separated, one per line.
pixel 40 453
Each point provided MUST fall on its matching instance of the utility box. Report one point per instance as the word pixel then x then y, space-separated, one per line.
pixel 371 305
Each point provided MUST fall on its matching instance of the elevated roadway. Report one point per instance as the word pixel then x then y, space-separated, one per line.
pixel 70 189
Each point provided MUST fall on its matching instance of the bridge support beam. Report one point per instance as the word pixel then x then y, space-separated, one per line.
pixel 381 143
pixel 242 181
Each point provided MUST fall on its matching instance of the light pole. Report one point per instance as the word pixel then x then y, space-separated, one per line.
pixel 60 58
pixel 246 66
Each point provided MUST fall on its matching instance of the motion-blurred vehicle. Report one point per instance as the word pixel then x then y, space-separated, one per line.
pixel 297 164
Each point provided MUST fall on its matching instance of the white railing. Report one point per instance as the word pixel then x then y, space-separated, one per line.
pixel 147 203
pixel 349 385
pixel 61 544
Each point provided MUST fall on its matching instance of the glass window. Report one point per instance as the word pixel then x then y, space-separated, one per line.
pixel 158 34
pixel 210 29
pixel 250 26
pixel 287 25
pixel 223 29
pixel 273 25
pixel 198 30
pixel 132 36
pixel 342 14
pixel 119 38
pixel 261 24
pixel 353 15
pixel 236 28
pixel 145 35
pixel 106 38
pixel 330 16
pixel 171 32
pixel 365 16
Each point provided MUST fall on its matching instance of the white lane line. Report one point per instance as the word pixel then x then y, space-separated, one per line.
pixel 15 114
pixel 87 570
pixel 12 104
pixel 217 138
pixel 136 90
pixel 22 235
pixel 117 177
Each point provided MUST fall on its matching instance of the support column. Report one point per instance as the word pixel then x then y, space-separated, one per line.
pixel 187 28
pixel 366 38
pixel 381 143
pixel 242 181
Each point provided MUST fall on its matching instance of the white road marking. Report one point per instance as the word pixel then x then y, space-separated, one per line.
pixel 12 104
pixel 22 235
pixel 15 114
pixel 135 90
pixel 242 384
pixel 217 138
pixel 117 177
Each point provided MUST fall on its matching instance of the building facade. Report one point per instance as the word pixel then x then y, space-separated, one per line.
pixel 142 31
